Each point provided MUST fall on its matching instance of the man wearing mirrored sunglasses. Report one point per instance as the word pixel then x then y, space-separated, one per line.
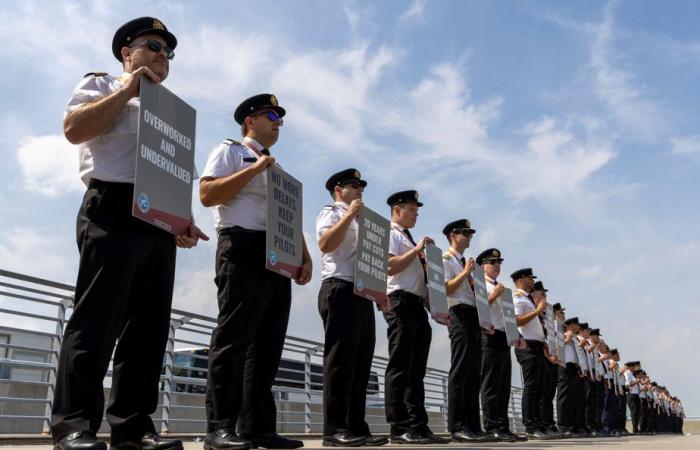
pixel 127 267
pixel 254 302
pixel 348 320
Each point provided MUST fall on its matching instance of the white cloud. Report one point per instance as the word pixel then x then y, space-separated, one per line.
pixel 590 272
pixel 414 12
pixel 556 162
pixel 618 88
pixel 686 145
pixel 40 252
pixel 49 165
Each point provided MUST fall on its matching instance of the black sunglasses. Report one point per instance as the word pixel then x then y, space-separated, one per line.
pixel 271 115
pixel 155 46
pixel 353 184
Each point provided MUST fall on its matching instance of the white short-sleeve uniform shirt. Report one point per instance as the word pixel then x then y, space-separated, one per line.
pixel 340 263
pixel 463 295
pixel 412 278
pixel 531 331
pixel 110 156
pixel 248 209
pixel 496 308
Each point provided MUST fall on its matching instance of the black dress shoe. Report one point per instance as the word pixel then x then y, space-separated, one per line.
pixel 375 441
pixel 516 437
pixel 538 435
pixel 434 438
pixel 149 441
pixel 273 440
pixel 553 434
pixel 343 439
pixel 410 437
pixel 80 440
pixel 499 436
pixel 225 439
pixel 467 436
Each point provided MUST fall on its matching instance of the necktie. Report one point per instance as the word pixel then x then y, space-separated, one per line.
pixel 265 152
pixel 421 256
pixel 463 261
pixel 408 235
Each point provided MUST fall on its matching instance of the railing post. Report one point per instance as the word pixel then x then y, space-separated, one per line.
pixel 307 390
pixel 512 413
pixel 444 401
pixel 56 342
pixel 168 379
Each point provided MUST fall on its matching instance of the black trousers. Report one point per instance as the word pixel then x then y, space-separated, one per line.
pixel 348 322
pixel 550 374
pixel 532 362
pixel 409 335
pixel 123 292
pixel 246 345
pixel 465 370
pixel 609 409
pixel 643 415
pixel 622 412
pixel 592 406
pixel 581 396
pixel 633 403
pixel 567 387
pixel 495 381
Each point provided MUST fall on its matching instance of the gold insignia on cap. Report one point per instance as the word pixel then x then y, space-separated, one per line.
pixel 469 225
pixel 158 25
pixel 357 174
pixel 273 100
pixel 416 195
pixel 495 253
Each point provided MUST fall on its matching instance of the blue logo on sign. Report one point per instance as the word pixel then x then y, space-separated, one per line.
pixel 360 284
pixel 273 257
pixel 144 203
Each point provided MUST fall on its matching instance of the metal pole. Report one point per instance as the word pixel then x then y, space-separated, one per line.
pixel 168 364
pixel 56 342
pixel 307 390
pixel 512 413
pixel 444 402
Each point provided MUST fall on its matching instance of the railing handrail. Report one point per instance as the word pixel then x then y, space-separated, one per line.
pixel 186 328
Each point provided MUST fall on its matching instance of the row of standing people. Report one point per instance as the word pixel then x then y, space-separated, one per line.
pixel 126 275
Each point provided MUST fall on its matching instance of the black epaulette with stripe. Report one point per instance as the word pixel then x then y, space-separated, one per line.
pixel 230 141
pixel 95 74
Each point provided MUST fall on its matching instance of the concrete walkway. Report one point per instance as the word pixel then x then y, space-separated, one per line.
pixel 675 442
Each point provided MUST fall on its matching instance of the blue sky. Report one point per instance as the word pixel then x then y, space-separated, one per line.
pixel 565 131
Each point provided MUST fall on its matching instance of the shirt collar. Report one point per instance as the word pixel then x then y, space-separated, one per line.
pixel 344 206
pixel 397 226
pixel 455 253
pixel 489 279
pixel 250 142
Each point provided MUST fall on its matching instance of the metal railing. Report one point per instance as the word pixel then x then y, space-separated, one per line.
pixel 36 311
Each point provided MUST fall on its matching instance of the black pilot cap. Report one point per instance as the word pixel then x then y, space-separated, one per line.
pixel 410 196
pixel 344 176
pixel 135 28
pixel 257 103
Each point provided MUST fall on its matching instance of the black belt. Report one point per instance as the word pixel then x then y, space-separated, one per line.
pixel 236 229
pixel 112 185
pixel 403 293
